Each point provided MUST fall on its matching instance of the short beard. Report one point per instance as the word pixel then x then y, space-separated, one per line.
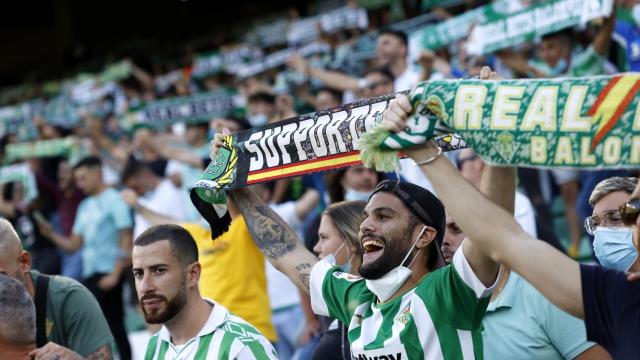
pixel 174 306
pixel 395 249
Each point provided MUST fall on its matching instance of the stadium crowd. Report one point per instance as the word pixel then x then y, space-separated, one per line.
pixel 107 248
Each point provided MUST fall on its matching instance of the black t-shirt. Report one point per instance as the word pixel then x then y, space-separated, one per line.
pixel 611 310
pixel 333 344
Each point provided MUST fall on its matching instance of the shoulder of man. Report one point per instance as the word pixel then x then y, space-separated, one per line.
pixel 244 337
pixel 80 319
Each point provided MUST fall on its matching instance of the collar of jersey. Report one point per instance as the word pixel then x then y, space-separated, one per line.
pixel 508 296
pixel 217 317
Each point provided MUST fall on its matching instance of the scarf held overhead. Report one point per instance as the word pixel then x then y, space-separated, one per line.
pixel 570 122
pixel 321 141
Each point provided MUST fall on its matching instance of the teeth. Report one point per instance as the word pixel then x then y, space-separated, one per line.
pixel 373 243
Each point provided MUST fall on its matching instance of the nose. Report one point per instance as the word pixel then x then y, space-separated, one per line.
pixel 445 239
pixel 366 225
pixel 317 248
pixel 145 285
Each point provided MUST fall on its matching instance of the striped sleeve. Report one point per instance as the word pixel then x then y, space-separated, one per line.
pixel 331 290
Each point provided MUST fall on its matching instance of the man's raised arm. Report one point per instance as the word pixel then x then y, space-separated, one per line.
pixel 275 238
pixel 494 230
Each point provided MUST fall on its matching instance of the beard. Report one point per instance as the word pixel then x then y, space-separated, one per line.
pixel 395 249
pixel 172 306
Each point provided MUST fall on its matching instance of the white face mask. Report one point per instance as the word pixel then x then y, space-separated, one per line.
pixel 331 259
pixel 389 283
pixel 351 194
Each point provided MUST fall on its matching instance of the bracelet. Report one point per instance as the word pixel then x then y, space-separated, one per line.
pixel 431 159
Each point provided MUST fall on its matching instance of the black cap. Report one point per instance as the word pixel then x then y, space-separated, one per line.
pixel 421 202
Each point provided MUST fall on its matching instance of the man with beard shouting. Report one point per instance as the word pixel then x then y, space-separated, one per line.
pixel 166 271
pixel 406 305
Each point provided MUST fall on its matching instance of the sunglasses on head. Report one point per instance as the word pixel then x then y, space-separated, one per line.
pixel 393 187
pixel 630 211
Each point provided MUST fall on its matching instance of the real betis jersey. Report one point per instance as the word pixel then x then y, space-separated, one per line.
pixel 441 318
pixel 224 336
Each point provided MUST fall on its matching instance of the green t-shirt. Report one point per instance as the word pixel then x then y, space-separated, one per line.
pixel 74 318
pixel 441 318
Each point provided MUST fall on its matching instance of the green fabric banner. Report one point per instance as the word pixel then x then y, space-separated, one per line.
pixel 506 23
pixel 571 122
pixel 213 63
pixel 20 173
pixel 67 147
pixel 507 30
pixel 18 120
pixel 455 29
pixel 194 108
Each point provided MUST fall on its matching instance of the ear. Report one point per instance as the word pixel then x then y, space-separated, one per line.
pixel 193 273
pixel 427 237
pixel 25 261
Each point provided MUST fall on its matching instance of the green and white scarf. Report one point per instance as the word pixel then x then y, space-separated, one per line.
pixel 194 108
pixel 568 122
pixel 68 147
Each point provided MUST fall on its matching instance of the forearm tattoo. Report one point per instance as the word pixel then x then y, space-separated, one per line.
pixel 104 353
pixel 270 233
pixel 304 269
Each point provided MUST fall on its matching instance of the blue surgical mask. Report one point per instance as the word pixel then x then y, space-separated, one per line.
pixel 331 259
pixel 614 248
pixel 258 119
pixel 355 195
pixel 559 69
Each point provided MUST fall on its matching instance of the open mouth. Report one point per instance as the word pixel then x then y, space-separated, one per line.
pixel 372 245
pixel 372 249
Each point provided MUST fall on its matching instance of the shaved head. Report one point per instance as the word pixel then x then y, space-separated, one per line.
pixel 9 240
pixel 14 261
pixel 17 313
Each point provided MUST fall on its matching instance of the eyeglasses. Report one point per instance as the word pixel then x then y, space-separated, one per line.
pixel 611 218
pixel 392 187
pixel 630 211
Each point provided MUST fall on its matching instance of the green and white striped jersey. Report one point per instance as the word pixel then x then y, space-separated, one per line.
pixel 224 336
pixel 441 318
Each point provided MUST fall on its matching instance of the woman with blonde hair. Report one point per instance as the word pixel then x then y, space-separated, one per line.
pixel 338 241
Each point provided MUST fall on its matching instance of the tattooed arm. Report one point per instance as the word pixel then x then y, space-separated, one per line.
pixel 275 238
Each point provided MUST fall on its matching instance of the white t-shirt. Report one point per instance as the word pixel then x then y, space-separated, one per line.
pixel 525 214
pixel 407 80
pixel 166 199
